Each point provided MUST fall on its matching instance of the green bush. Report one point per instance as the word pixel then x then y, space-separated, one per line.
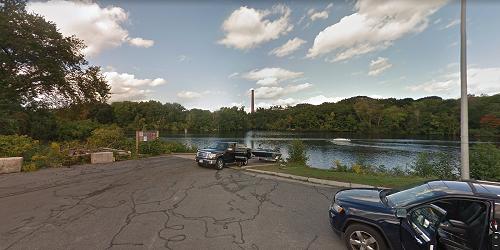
pixel 297 152
pixel 440 165
pixel 339 167
pixel 156 147
pixel 485 162
pixel 108 137
pixel 17 145
pixel 48 156
pixel 423 165
pixel 177 147
pixel 76 130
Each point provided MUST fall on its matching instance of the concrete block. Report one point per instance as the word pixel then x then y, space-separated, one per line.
pixel 10 165
pixel 101 157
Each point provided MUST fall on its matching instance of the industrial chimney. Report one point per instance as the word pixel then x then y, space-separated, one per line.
pixel 252 101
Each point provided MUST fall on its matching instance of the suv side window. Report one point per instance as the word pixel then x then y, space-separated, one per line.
pixel 425 219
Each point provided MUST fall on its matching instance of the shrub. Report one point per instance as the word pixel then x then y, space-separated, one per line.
pixel 339 167
pixel 423 165
pixel 15 145
pixel 445 166
pixel 485 162
pixel 297 152
pixel 29 167
pixel 156 147
pixel 441 165
pixel 177 147
pixel 108 137
pixel 48 156
pixel 76 130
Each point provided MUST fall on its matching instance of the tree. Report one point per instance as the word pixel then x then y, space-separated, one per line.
pixel 40 67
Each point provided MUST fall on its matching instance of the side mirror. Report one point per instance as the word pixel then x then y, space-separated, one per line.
pixel 401 213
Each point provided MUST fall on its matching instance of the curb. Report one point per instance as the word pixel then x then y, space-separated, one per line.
pixel 312 180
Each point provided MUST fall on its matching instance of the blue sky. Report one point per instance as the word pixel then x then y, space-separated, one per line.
pixel 208 55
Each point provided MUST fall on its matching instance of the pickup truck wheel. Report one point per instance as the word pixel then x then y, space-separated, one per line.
pixel 219 164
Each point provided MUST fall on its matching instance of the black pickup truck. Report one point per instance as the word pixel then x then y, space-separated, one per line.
pixel 222 153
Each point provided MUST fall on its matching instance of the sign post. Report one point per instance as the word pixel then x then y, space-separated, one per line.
pixel 145 136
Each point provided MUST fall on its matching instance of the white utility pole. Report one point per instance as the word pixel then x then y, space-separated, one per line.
pixel 464 110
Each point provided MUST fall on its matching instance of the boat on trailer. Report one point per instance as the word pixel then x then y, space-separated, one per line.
pixel 266 154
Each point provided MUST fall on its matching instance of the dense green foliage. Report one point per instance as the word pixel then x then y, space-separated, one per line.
pixel 439 165
pixel 158 147
pixel 15 146
pixel 484 165
pixel 41 69
pixel 485 162
pixel 427 116
pixel 36 155
pixel 297 152
pixel 109 137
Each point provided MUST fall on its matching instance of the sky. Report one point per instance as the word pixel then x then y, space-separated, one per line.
pixel 209 55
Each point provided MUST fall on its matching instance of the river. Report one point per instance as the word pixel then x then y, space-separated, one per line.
pixel 322 150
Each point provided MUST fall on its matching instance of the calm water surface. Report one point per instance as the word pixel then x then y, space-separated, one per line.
pixel 323 150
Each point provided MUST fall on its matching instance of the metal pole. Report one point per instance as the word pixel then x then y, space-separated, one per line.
pixel 464 117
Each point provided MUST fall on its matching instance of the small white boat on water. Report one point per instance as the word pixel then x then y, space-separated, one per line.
pixel 342 139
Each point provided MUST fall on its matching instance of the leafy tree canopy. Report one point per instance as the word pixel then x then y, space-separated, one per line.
pixel 40 67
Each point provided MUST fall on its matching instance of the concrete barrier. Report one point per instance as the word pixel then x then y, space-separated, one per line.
pixel 101 157
pixel 10 165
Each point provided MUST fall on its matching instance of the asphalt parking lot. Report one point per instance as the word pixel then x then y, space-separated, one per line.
pixel 161 202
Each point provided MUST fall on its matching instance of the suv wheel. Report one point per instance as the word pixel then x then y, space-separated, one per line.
pixel 358 236
pixel 219 164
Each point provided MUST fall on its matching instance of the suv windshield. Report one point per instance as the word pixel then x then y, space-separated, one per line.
pixel 408 196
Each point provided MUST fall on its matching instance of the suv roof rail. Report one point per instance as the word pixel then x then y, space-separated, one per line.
pixel 488 182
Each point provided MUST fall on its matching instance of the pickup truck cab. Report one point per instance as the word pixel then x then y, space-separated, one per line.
pixel 222 153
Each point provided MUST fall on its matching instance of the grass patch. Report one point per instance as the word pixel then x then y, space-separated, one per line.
pixel 327 174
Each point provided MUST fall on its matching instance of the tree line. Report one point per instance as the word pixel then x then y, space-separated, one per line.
pixel 425 116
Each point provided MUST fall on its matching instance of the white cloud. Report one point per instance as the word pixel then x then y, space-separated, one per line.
pixel 183 58
pixel 375 25
pixel 233 75
pixel 451 24
pixel 319 15
pixel 314 100
pixel 273 92
pixel 317 100
pixel 322 14
pixel 378 66
pixel 246 27
pixel 479 81
pixel 271 76
pixel 288 48
pixel 99 27
pixel 188 95
pixel 185 94
pixel 140 42
pixel 126 87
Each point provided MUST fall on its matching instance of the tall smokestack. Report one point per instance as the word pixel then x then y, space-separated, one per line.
pixel 252 100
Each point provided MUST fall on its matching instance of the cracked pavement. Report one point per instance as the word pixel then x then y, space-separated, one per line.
pixel 161 202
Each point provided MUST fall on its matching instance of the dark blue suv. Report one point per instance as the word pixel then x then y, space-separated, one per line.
pixel 434 215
